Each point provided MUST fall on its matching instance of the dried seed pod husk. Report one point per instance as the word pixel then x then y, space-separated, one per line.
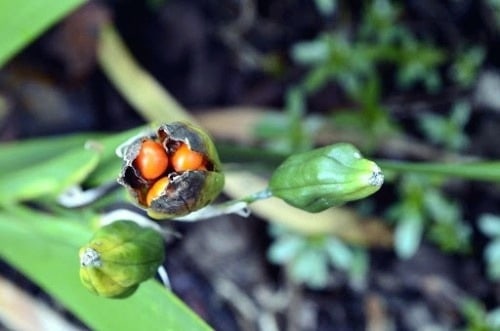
pixel 119 257
pixel 186 191
pixel 325 177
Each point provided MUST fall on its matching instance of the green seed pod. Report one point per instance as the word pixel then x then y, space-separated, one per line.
pixel 178 189
pixel 325 177
pixel 119 257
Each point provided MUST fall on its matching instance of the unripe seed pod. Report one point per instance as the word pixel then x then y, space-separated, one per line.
pixel 119 257
pixel 194 172
pixel 325 177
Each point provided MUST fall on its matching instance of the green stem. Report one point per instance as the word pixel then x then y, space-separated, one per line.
pixel 483 170
pixel 261 195
pixel 473 170
pixel 135 84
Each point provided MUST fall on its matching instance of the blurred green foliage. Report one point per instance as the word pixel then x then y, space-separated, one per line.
pixel 326 7
pixel 447 131
pixel 494 6
pixel 16 34
pixel 352 58
pixel 308 259
pixel 477 318
pixel 423 207
pixel 467 62
pixel 361 59
pixel 489 225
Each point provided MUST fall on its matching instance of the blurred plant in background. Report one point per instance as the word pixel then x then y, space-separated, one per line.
pixel 494 5
pixel 424 208
pixel 352 59
pixel 447 132
pixel 478 319
pixel 490 226
pixel 309 259
pixel 360 60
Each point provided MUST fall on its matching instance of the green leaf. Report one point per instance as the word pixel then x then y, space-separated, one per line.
pixel 45 249
pixel 311 52
pixel 474 314
pixel 460 114
pixel 465 69
pixel 339 253
pixel 326 7
pixel 41 166
pixel 492 257
pixel 21 154
pixel 407 236
pixel 285 248
pixel 359 267
pixel 439 208
pixel 48 178
pixel 447 131
pixel 493 318
pixel 135 84
pixel 22 21
pixel 489 224
pixel 310 267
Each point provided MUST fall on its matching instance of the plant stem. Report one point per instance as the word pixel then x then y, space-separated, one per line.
pixel 261 195
pixel 484 170
pixel 138 87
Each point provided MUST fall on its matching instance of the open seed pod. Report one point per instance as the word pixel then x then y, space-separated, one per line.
pixel 173 171
pixel 119 257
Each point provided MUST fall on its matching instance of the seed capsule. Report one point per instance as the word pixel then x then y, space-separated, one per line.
pixel 194 177
pixel 325 177
pixel 119 257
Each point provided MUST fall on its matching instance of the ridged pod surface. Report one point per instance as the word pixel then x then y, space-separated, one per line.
pixel 119 257
pixel 325 177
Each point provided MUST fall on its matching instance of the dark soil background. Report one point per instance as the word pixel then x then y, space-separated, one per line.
pixel 206 54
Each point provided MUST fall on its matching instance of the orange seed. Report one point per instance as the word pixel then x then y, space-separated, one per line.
pixel 152 160
pixel 186 159
pixel 156 190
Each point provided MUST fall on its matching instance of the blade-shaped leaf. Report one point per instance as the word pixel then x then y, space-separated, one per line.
pixel 45 249
pixel 17 155
pixel 22 21
pixel 50 177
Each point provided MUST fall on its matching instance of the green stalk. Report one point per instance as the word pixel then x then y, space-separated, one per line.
pixel 137 86
pixel 481 170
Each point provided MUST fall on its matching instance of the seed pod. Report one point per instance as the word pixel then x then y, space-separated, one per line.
pixel 325 177
pixel 119 257
pixel 193 172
